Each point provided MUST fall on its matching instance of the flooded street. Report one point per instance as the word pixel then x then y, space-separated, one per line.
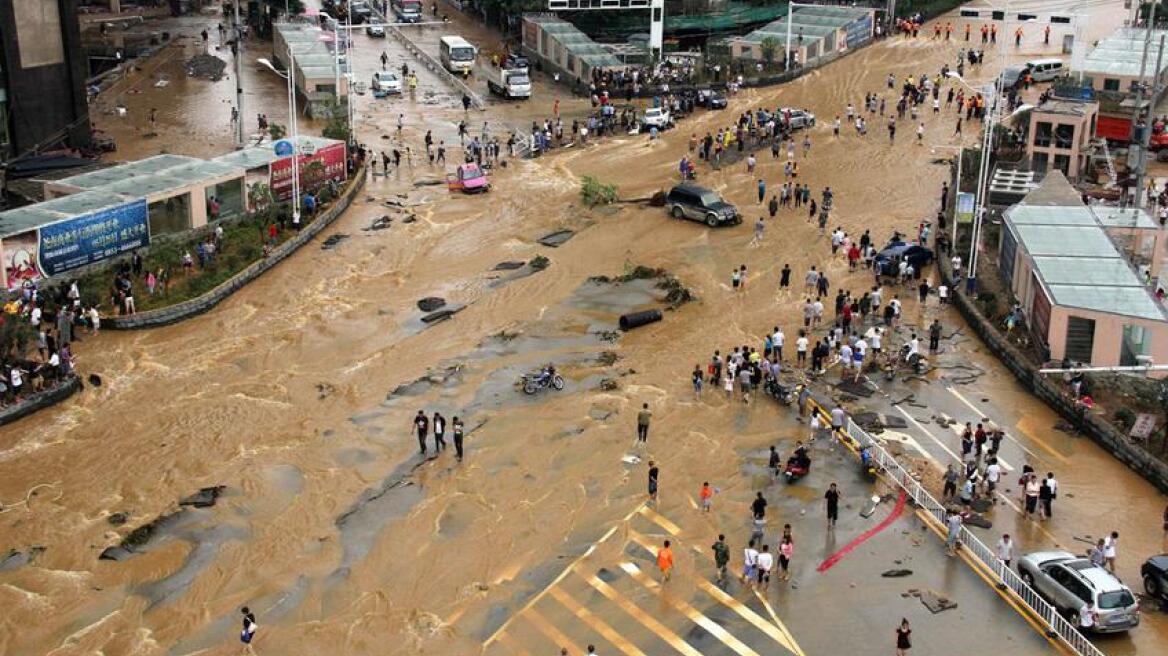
pixel 297 395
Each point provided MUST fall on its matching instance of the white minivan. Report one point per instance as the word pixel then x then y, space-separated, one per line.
pixel 1045 70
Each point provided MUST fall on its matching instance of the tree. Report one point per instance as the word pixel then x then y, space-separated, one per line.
pixel 769 46
pixel 594 192
pixel 338 122
pixel 276 131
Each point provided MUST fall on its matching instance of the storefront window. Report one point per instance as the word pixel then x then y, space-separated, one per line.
pixel 225 200
pixel 170 215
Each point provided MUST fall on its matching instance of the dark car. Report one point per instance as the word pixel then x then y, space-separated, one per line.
pixel 888 260
pixel 712 99
pixel 689 201
pixel 1155 574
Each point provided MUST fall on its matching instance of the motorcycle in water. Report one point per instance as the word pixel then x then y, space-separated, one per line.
pixel 780 392
pixel 547 377
pixel 797 466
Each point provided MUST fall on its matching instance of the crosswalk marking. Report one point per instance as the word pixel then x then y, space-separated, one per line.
pixel 660 520
pixel 513 646
pixel 644 618
pixel 692 613
pixel 779 623
pixel 597 624
pixel 535 617
pixel 779 636
pixel 958 430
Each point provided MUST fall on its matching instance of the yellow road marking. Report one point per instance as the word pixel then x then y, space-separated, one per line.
pixel 587 552
pixel 1022 426
pixel 779 636
pixel 692 503
pixel 513 646
pixel 692 613
pixel 779 623
pixel 641 616
pixel 660 520
pixel 644 542
pixel 548 629
pixel 596 623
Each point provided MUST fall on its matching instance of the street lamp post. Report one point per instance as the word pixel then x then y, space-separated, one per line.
pixel 791 6
pixel 290 76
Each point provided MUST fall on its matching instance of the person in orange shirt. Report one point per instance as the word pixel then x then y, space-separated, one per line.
pixel 985 33
pixel 665 561
pixel 707 495
pixel 993 33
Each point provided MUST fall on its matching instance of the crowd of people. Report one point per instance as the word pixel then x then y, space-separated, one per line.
pixel 42 332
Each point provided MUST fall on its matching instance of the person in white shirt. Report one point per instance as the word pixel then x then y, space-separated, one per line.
pixel 765 562
pixel 845 357
pixel 801 349
pixel 877 335
pixel 777 343
pixel 1110 548
pixel 816 312
pixel 943 293
pixel 914 346
pixel 993 474
pixel 1006 550
pixel 750 563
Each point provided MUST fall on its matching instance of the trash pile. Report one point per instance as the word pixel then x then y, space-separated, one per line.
pixel 206 67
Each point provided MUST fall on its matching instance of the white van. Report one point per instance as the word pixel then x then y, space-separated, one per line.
pixel 1045 70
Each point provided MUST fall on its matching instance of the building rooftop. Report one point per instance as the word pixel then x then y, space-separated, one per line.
pixel 124 172
pixel 1114 217
pixel 1074 257
pixel 815 23
pixel 264 154
pixel 23 219
pixel 576 42
pixel 1066 107
pixel 1120 53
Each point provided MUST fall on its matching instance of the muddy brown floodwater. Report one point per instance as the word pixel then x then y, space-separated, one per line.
pixel 297 395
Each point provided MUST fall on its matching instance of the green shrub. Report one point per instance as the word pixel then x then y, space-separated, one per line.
pixel 593 192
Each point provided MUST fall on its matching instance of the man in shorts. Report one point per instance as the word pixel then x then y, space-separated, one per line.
pixel 750 564
pixel 764 564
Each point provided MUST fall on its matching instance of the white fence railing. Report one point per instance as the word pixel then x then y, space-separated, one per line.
pixel 1007 579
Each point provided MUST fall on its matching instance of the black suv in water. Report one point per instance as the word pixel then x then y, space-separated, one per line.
pixel 689 201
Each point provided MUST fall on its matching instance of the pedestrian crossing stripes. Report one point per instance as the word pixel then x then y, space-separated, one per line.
pixel 611 598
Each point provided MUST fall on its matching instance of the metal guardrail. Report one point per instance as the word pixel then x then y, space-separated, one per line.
pixel 1057 626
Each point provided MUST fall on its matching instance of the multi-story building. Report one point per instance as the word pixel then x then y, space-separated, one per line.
pixel 43 101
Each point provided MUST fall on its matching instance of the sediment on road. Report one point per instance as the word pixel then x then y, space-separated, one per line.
pixel 200 304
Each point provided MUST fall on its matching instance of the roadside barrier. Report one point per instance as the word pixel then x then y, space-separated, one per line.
pixel 1006 579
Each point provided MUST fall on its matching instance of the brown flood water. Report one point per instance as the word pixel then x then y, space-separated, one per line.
pixel 330 528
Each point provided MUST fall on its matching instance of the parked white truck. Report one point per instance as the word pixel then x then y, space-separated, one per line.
pixel 511 80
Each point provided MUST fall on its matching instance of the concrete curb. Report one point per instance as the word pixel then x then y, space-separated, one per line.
pixel 41 400
pixel 196 306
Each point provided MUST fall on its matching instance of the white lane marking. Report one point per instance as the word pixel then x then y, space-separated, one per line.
pixel 981 413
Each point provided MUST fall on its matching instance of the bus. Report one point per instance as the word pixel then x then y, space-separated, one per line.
pixel 457 54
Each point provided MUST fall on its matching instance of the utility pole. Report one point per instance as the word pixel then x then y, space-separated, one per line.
pixel 1137 113
pixel 240 140
pixel 1142 163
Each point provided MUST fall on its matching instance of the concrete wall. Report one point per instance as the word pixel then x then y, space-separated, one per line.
pixel 40 400
pixel 196 306
pixel 46 82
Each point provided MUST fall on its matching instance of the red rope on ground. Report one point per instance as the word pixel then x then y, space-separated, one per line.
pixel 849 547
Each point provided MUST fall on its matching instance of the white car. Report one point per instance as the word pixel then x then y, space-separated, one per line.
pixel 375 31
pixel 800 118
pixel 657 117
pixel 386 82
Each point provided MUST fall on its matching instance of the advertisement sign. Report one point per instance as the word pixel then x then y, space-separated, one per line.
pixel 859 31
pixel 87 239
pixel 964 207
pixel 332 157
pixel 20 259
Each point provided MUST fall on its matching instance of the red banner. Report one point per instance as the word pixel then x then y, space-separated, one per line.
pixel 332 157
